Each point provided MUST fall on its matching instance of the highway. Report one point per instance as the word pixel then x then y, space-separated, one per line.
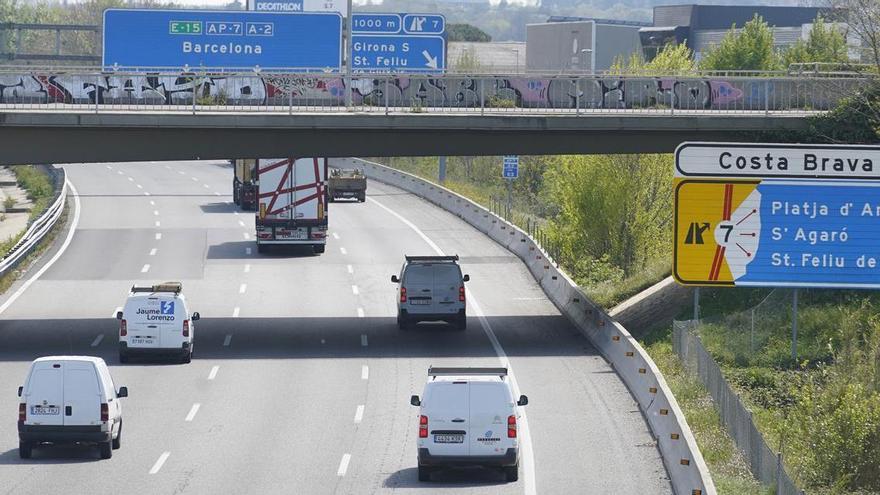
pixel 300 381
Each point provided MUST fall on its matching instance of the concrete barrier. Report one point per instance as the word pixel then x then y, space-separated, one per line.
pixel 682 458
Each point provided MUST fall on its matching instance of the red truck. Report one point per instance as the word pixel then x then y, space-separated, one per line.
pixel 292 202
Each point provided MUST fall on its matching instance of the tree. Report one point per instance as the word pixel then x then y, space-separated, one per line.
pixel 825 44
pixel 671 59
pixel 863 18
pixel 466 32
pixel 748 49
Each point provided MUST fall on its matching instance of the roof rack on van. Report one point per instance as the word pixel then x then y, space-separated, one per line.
pixel 434 371
pixel 432 258
pixel 175 287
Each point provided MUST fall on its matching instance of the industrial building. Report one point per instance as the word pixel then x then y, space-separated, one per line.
pixel 576 44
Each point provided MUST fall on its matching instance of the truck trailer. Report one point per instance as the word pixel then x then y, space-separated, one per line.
pixel 292 198
pixel 348 183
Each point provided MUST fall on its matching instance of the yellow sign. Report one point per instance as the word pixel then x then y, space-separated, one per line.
pixel 716 231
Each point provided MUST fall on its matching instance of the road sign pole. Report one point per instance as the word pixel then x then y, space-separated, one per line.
pixel 696 304
pixel 348 51
pixel 794 325
pixel 441 170
pixel 509 196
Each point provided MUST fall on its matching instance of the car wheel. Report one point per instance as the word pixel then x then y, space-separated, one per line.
pixel 461 322
pixel 402 322
pixel 123 358
pixel 25 449
pixel 117 442
pixel 261 248
pixel 106 449
pixel 319 249
pixel 187 358
pixel 425 473
pixel 511 473
pixel 362 198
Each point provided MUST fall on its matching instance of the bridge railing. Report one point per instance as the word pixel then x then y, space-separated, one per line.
pixel 219 90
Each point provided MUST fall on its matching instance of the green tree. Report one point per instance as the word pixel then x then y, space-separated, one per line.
pixel 671 59
pixel 825 44
pixel 466 32
pixel 748 49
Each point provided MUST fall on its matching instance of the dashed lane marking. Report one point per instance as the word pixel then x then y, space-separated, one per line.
pixel 242 288
pixel 350 268
pixel 227 340
pixel 153 252
pixel 365 372
pixel 343 251
pixel 192 412
pixel 359 414
pixel 354 290
pixel 213 373
pixel 99 338
pixel 145 269
pixel 159 462
pixel 158 236
pixel 364 342
pixel 235 312
pixel 247 267
pixel 343 465
pixel 360 312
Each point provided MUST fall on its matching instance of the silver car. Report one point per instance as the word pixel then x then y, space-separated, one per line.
pixel 431 288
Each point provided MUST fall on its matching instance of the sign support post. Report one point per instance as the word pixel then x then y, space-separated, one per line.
pixel 441 170
pixel 794 326
pixel 348 51
pixel 696 304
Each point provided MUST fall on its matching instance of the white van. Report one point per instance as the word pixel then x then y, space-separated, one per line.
pixel 156 320
pixel 468 417
pixel 431 288
pixel 69 399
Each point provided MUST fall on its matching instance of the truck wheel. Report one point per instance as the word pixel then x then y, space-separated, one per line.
pixel 319 249
pixel 106 449
pixel 511 473
pixel 25 449
pixel 362 198
pixel 425 473
pixel 261 248
pixel 117 442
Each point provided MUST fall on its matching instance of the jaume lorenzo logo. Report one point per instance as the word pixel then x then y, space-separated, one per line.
pixel 164 313
pixel 487 437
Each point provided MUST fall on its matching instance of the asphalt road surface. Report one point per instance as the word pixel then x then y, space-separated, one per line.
pixel 300 381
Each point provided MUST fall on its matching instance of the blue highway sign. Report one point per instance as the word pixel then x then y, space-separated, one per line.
pixel 510 166
pixel 155 39
pixel 398 53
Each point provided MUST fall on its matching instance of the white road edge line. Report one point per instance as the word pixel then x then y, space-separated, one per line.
pixel 227 340
pixel 359 414
pixel 213 373
pixel 528 459
pixel 98 339
pixel 365 372
pixel 159 462
pixel 364 341
pixel 343 465
pixel 360 312
pixel 192 412
pixel 41 271
pixel 235 312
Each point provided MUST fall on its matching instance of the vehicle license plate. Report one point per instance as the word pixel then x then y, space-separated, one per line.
pixel 419 301
pixel 294 234
pixel 44 410
pixel 448 438
pixel 141 341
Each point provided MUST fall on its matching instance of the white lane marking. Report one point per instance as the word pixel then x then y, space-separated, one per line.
pixel 227 340
pixel 195 179
pixel 528 458
pixel 336 236
pixel 247 236
pixel 181 172
pixel 158 223
pixel 247 267
pixel 343 251
pixel 235 212
pixel 343 465
pixel 152 203
pixel 119 172
pixel 217 194
pixel 247 251
pixel 242 288
pixel 241 223
pixel 206 186
pixel 359 414
pixel 113 314
pixel 139 186
pixel 354 290
pixel 159 462
pixel 108 167
pixel 156 212
pixel 146 193
pixel 192 412
pixel 98 339
pixel 153 251
pixel 360 312
pixel 364 342
pixel 349 268
pixel 365 372
pixel 131 179
pixel 235 312
pixel 145 269
pixel 158 236
pixel 67 240
pixel 213 373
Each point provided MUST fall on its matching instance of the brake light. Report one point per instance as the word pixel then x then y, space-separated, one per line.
pixel 403 294
pixel 511 427
pixel 186 328
pixel 22 412
pixel 123 328
pixel 423 427
pixel 105 412
pixel 461 294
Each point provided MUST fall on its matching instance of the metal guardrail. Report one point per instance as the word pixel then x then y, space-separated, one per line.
pixel 37 230
pixel 212 91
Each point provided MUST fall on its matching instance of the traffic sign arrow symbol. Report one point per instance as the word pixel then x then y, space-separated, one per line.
pixel 430 61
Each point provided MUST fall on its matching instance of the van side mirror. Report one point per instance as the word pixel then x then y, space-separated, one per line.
pixel 523 401
pixel 119 315
pixel 466 278
pixel 123 392
pixel 195 316
pixel 414 400
pixel 395 279
pixel 20 389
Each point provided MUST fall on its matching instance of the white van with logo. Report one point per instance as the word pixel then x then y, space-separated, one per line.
pixel 69 399
pixel 468 417
pixel 156 320
pixel 431 288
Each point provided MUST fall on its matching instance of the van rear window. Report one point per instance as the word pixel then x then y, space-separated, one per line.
pixel 419 274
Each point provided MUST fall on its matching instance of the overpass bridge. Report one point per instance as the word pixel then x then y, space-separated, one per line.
pixel 92 115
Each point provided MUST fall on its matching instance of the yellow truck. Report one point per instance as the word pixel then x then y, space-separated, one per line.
pixel 349 183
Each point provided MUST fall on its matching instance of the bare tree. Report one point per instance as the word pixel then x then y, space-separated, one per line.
pixel 863 18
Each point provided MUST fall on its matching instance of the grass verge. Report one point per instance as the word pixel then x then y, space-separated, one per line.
pixel 11 277
pixel 38 186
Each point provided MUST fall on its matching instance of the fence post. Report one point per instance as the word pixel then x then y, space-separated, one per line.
pixel 766 98
pixel 386 94
pixel 482 97
pixel 577 96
